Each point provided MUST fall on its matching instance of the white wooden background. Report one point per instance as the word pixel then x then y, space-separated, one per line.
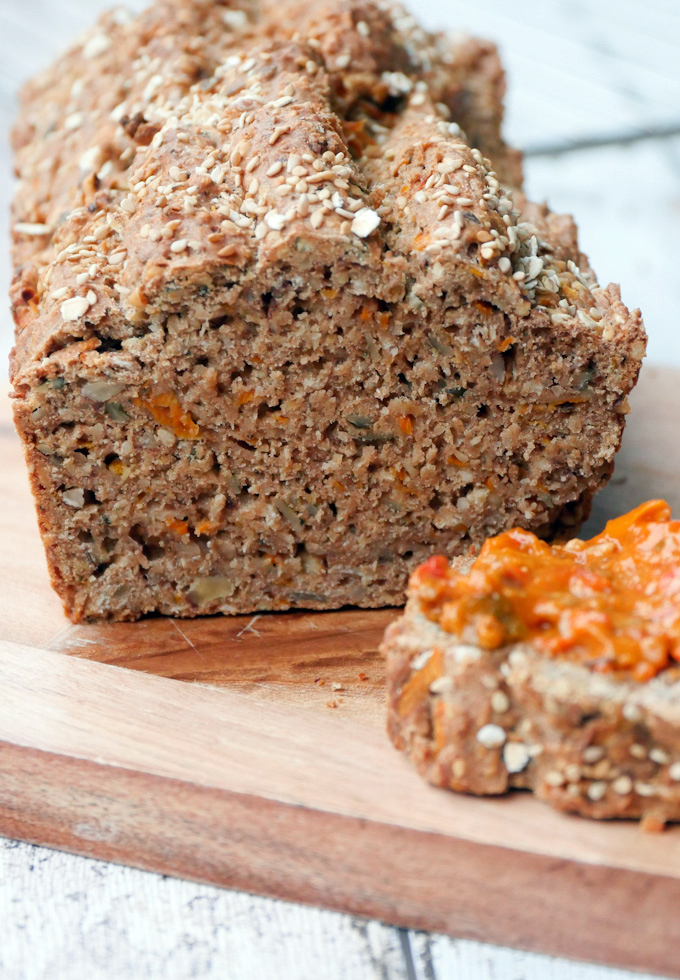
pixel 595 100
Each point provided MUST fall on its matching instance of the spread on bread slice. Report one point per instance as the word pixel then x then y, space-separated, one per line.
pixel 555 669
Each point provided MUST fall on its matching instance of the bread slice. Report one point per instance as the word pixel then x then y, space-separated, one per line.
pixel 278 340
pixel 487 721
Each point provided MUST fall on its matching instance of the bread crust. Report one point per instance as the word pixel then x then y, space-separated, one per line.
pixel 485 722
pixel 281 331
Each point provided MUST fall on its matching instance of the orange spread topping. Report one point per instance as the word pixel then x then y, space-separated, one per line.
pixel 611 603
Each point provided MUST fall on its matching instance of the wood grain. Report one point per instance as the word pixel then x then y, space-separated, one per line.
pixel 273 774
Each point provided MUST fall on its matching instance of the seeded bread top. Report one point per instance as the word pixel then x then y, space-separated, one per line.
pixel 200 142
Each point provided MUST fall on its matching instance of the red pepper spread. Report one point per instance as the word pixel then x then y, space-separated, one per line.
pixel 611 603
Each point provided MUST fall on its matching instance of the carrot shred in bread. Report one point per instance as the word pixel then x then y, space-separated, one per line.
pixel 416 688
pixel 179 527
pixel 168 412
pixel 611 603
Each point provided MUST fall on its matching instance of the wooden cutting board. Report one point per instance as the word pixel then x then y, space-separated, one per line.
pixel 250 752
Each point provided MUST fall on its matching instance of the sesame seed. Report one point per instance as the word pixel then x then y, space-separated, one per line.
pixel 442 685
pixel 659 756
pixel 342 61
pixel 515 756
pixel 275 169
pixel 622 785
pixel 596 791
pixel 363 28
pixel 317 218
pixel 674 772
pixel 275 221
pixel 236 20
pixel 74 308
pixel 500 702
pixel 96 45
pixel 365 222
pixel 421 659
pixel 31 228
pixel 320 176
pixel 284 100
pixel 179 245
pixel 632 713
pixel 91 297
pixel 593 753
pixel 278 131
pixel 554 778
pixel 491 736
pixel 638 751
pixel 573 772
pixel 644 789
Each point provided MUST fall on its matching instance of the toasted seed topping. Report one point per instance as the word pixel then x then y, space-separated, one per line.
pixel 491 736
pixel 573 772
pixel 623 785
pixel 500 702
pixel 593 754
pixel 596 791
pixel 365 221
pixel 554 778
pixel 74 308
pixel 31 228
pixel 632 713
pixel 516 756
pixel 421 659
pixel 442 685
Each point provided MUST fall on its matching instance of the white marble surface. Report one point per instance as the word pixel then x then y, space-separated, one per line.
pixel 580 71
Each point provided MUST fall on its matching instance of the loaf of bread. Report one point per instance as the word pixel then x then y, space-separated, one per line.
pixel 282 328
pixel 583 707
